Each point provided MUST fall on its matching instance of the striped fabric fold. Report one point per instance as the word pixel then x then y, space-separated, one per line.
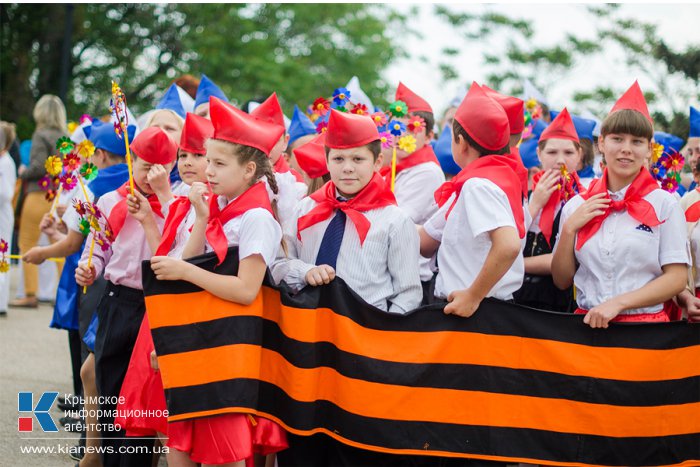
pixel 510 384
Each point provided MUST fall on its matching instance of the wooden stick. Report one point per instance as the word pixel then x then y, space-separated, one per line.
pixel 55 260
pixel 55 200
pixel 92 248
pixel 393 168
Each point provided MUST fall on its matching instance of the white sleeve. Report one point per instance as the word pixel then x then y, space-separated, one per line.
pixel 436 224
pixel 260 234
pixel 404 268
pixel 415 196
pixel 489 208
pixel 287 266
pixel 673 238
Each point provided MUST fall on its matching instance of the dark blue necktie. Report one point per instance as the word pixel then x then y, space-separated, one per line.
pixel 332 238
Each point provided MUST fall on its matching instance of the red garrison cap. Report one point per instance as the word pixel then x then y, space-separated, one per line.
pixel 349 130
pixel 195 132
pixel 513 106
pixel 311 157
pixel 235 126
pixel 414 102
pixel 561 127
pixel 633 99
pixel 483 119
pixel 154 146
pixel 270 111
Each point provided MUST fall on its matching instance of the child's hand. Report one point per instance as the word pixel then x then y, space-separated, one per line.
pixel 595 206
pixel 169 269
pixel 320 275
pixel 159 179
pixel 154 360
pixel 599 316
pixel 139 207
pixel 198 197
pixel 48 225
pixel 34 256
pixel 462 303
pixel 692 306
pixel 85 275
pixel 60 209
pixel 543 191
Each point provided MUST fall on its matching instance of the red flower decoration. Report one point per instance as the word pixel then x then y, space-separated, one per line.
pixel 321 106
pixel 359 109
pixel 379 119
pixel 322 127
pixel 416 124
pixel 3 246
pixel 71 162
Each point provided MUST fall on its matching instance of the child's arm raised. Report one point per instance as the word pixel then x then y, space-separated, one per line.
pixel 197 239
pixel 505 248
pixel 140 209
pixel 242 288
pixel 564 260
pixel 159 179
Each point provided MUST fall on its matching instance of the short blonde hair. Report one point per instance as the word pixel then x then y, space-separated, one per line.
pixel 49 112
pixel 7 135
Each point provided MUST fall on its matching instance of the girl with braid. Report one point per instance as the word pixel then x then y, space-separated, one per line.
pixel 237 157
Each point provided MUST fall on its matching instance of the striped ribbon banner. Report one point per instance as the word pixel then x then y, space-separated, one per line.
pixel 510 383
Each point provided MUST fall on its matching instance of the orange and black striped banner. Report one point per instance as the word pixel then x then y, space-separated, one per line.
pixel 509 384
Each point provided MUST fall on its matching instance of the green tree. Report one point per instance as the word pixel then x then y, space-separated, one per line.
pixel 674 73
pixel 299 50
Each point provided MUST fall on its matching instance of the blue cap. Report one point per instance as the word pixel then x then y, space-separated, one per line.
pixel 103 136
pixel 584 126
pixel 443 151
pixel 694 123
pixel 301 125
pixel 171 101
pixel 206 89
pixel 668 141
pixel 528 149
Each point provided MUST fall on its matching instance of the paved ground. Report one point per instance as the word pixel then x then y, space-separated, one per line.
pixel 35 358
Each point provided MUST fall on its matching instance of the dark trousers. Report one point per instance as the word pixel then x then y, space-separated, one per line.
pixel 120 313
pixel 75 360
pixel 87 306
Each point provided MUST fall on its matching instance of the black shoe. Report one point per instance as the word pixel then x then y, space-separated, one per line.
pixel 77 453
pixel 3 313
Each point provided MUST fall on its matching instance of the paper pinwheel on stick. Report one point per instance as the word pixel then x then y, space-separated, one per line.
pixel 4 263
pixel 118 107
pixel 666 167
pixel 340 101
pixel 393 133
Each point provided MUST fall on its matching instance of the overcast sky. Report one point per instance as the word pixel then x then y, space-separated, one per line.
pixel 678 25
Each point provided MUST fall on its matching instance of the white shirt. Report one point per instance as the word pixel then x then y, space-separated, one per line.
pixel 290 193
pixel 254 232
pixel 624 254
pixel 384 268
pixel 465 242
pixel 414 189
pixel 121 262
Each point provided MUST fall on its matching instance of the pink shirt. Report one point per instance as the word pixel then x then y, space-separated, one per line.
pixel 121 262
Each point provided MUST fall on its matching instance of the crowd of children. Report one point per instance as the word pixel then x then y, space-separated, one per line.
pixel 311 207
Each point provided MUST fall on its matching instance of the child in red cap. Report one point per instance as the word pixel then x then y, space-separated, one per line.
pixel 560 153
pixel 372 243
pixel 481 223
pixel 290 182
pixel 350 228
pixel 121 309
pixel 418 174
pixel 623 243
pixel 142 390
pixel 237 212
